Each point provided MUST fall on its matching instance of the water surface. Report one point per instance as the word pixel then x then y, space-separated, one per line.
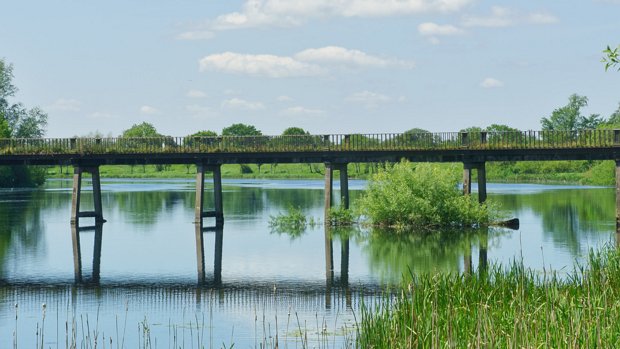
pixel 259 283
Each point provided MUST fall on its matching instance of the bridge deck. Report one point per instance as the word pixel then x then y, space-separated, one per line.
pixel 340 148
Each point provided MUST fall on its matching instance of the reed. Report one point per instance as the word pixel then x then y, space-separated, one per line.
pixel 501 308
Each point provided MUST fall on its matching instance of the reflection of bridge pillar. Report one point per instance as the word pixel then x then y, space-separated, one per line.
pixel 217 255
pixel 618 197
pixel 467 263
pixel 329 266
pixel 329 185
pixel 77 192
pixel 218 211
pixel 482 179
pixel 482 251
pixel 77 251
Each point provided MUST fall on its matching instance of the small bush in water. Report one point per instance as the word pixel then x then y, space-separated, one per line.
pixel 423 195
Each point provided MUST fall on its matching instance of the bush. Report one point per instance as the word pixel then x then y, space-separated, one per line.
pixel 423 196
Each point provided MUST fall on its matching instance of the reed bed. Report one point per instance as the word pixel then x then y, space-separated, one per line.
pixel 503 307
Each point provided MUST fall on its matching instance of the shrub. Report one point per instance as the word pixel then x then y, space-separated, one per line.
pixel 425 196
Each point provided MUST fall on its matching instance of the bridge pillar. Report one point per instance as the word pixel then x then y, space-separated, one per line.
pixel 329 186
pixel 77 192
pixel 482 179
pixel 218 211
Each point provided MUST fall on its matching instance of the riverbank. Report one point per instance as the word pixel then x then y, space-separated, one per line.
pixel 505 307
pixel 552 172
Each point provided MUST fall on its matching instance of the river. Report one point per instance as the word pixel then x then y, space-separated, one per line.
pixel 261 285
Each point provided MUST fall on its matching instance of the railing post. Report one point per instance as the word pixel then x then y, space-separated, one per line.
pixel 616 137
pixel 72 143
pixel 347 142
pixel 464 139
pixel 326 142
pixel 483 137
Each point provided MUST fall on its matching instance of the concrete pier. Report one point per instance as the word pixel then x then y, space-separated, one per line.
pixel 480 168
pixel 329 185
pixel 218 210
pixel 78 171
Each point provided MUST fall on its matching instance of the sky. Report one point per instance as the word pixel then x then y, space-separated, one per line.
pixel 328 66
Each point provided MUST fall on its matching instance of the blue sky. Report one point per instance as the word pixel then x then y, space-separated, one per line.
pixel 329 66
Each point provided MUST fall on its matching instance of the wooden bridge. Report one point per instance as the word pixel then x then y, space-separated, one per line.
pixel 473 149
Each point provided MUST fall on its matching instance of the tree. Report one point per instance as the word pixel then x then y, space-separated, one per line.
pixel 16 121
pixel 614 118
pixel 569 118
pixel 142 130
pixel 499 134
pixel 611 58
pixel 241 130
pixel 295 131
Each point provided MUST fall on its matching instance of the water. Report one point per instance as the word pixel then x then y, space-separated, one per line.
pixel 265 284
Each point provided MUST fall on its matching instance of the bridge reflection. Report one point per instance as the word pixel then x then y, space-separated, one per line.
pixel 336 291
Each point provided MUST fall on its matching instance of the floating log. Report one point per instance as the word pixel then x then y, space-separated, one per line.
pixel 510 224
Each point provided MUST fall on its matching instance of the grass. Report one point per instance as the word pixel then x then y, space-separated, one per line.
pixel 502 308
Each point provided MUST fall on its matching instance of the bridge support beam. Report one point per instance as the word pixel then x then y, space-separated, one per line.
pixel 482 179
pixel 78 171
pixel 218 211
pixel 329 186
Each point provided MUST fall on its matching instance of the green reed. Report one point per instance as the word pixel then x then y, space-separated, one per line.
pixel 501 308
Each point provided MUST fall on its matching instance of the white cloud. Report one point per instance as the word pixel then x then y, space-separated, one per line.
pixel 433 29
pixel 302 111
pixel 505 17
pixel 196 35
pixel 63 104
pixel 304 63
pixel 148 110
pixel 102 115
pixel 341 55
pixel 499 17
pixel 196 94
pixel 238 103
pixel 368 99
pixel 284 98
pixel 491 83
pixel 257 13
pixel 542 18
pixel 259 65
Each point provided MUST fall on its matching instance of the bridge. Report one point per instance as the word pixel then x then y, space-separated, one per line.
pixel 473 149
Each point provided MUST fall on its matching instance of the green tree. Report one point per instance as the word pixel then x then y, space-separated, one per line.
pixel 16 121
pixel 295 131
pixel 614 118
pixel 611 58
pixel 569 117
pixel 142 130
pixel 241 130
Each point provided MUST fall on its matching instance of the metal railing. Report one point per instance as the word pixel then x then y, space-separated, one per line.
pixel 313 143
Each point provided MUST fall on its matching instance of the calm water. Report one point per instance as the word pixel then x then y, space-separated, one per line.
pixel 259 283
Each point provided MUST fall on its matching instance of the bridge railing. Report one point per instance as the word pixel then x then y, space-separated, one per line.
pixel 422 141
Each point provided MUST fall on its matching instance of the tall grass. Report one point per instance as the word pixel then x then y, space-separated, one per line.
pixel 502 308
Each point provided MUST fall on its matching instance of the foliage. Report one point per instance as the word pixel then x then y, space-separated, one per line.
pixel 339 216
pixel 424 196
pixel 295 131
pixel 293 222
pixel 611 58
pixel 241 130
pixel 16 121
pixel 204 138
pixel 510 307
pixel 569 117
pixel 142 130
